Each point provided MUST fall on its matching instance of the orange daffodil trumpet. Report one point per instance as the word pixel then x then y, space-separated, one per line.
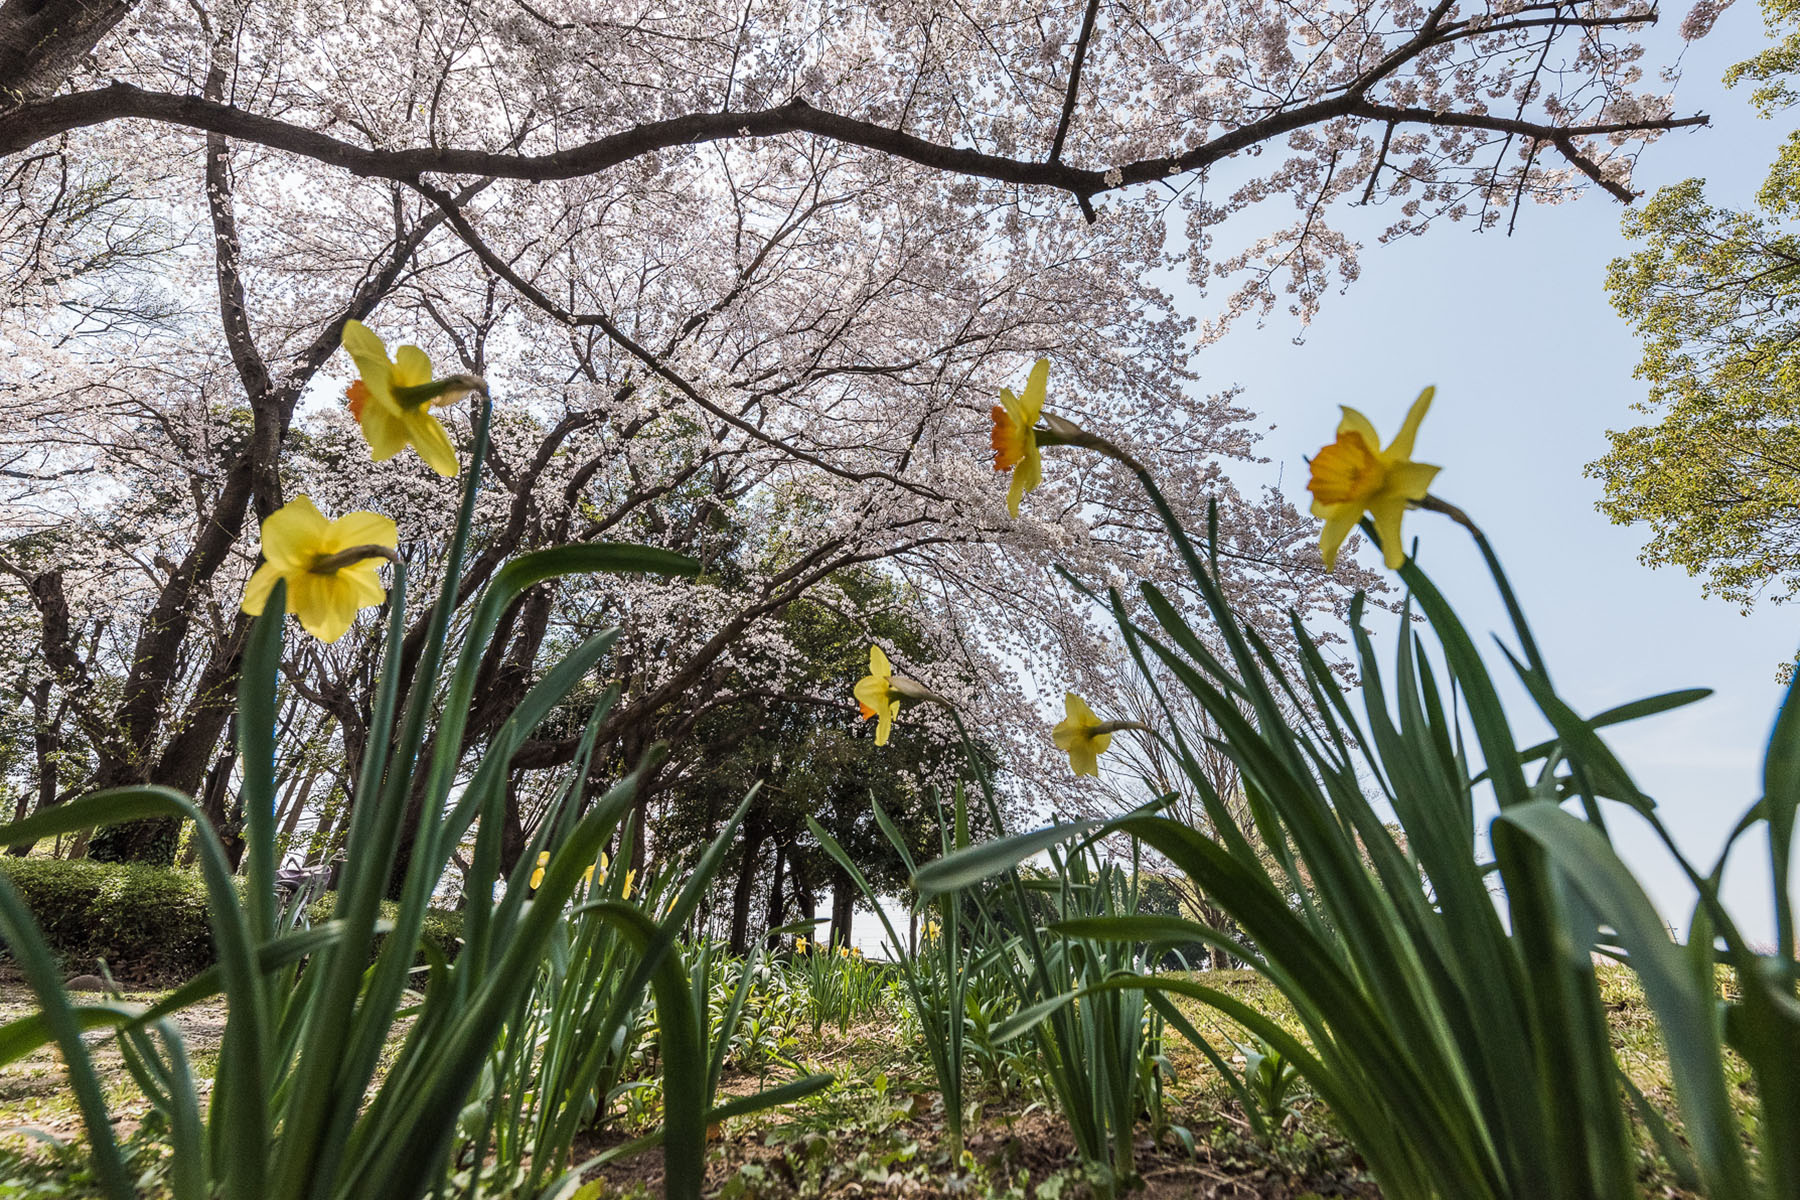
pixel 1354 475
pixel 1083 736
pixel 880 694
pixel 1017 435
pixel 393 398
pixel 330 566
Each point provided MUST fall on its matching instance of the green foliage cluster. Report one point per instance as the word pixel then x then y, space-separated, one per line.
pixel 150 924
pixel 1465 1051
pixel 440 933
pixel 1713 293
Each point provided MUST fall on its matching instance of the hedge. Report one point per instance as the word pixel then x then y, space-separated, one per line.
pixel 148 923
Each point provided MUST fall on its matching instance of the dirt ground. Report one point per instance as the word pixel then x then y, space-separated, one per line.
pixel 34 1094
pixel 879 1131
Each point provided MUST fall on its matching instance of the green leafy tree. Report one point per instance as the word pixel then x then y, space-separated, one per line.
pixel 1714 294
pixel 804 744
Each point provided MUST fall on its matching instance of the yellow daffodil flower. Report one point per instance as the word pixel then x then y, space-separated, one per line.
pixel 1352 475
pixel 873 698
pixel 1015 439
pixel 392 400
pixel 1083 736
pixel 799 945
pixel 537 876
pixel 881 692
pixel 325 585
pixel 629 876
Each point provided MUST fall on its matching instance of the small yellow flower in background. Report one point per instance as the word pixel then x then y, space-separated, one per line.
pixel 537 876
pixel 1352 476
pixel 800 945
pixel 1083 736
pixel 880 693
pixel 392 400
pixel 1014 439
pixel 301 546
pixel 629 876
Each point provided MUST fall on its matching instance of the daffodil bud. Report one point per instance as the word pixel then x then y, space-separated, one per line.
pixel 914 692
pixel 440 393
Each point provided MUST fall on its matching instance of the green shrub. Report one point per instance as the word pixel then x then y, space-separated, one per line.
pixel 148 923
pixel 441 930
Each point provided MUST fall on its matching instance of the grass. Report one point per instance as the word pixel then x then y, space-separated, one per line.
pixel 880 1128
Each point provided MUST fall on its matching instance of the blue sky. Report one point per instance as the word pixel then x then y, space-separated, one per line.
pixel 1532 366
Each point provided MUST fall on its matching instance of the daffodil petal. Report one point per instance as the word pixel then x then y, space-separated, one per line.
pixel 1083 760
pixel 256 592
pixel 1013 408
pixel 1354 422
pixel 362 584
pixel 361 529
pixel 1032 402
pixel 1410 480
pixel 1340 519
pixel 1026 476
pixel 383 431
pixel 325 607
pixel 871 691
pixel 1402 445
pixel 369 353
pixel 430 440
pixel 292 533
pixel 412 367
pixel 885 723
pixel 1387 512
pixel 879 664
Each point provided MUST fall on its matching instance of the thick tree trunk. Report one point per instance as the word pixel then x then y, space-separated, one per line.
pixel 46 744
pixel 843 908
pixel 745 887
pixel 42 41
pixel 777 905
pixel 512 837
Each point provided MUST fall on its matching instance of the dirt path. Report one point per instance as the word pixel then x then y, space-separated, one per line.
pixel 34 1092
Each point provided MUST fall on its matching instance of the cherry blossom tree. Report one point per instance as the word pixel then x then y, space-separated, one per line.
pixel 745 280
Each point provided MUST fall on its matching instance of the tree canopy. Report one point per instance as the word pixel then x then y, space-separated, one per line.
pixel 1714 295
pixel 727 269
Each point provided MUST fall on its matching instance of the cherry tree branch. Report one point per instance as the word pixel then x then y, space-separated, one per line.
pixel 1068 109
pixel 27 124
pixel 452 211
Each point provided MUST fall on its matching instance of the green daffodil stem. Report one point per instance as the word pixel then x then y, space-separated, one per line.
pixel 1059 431
pixel 331 564
pixel 1528 643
